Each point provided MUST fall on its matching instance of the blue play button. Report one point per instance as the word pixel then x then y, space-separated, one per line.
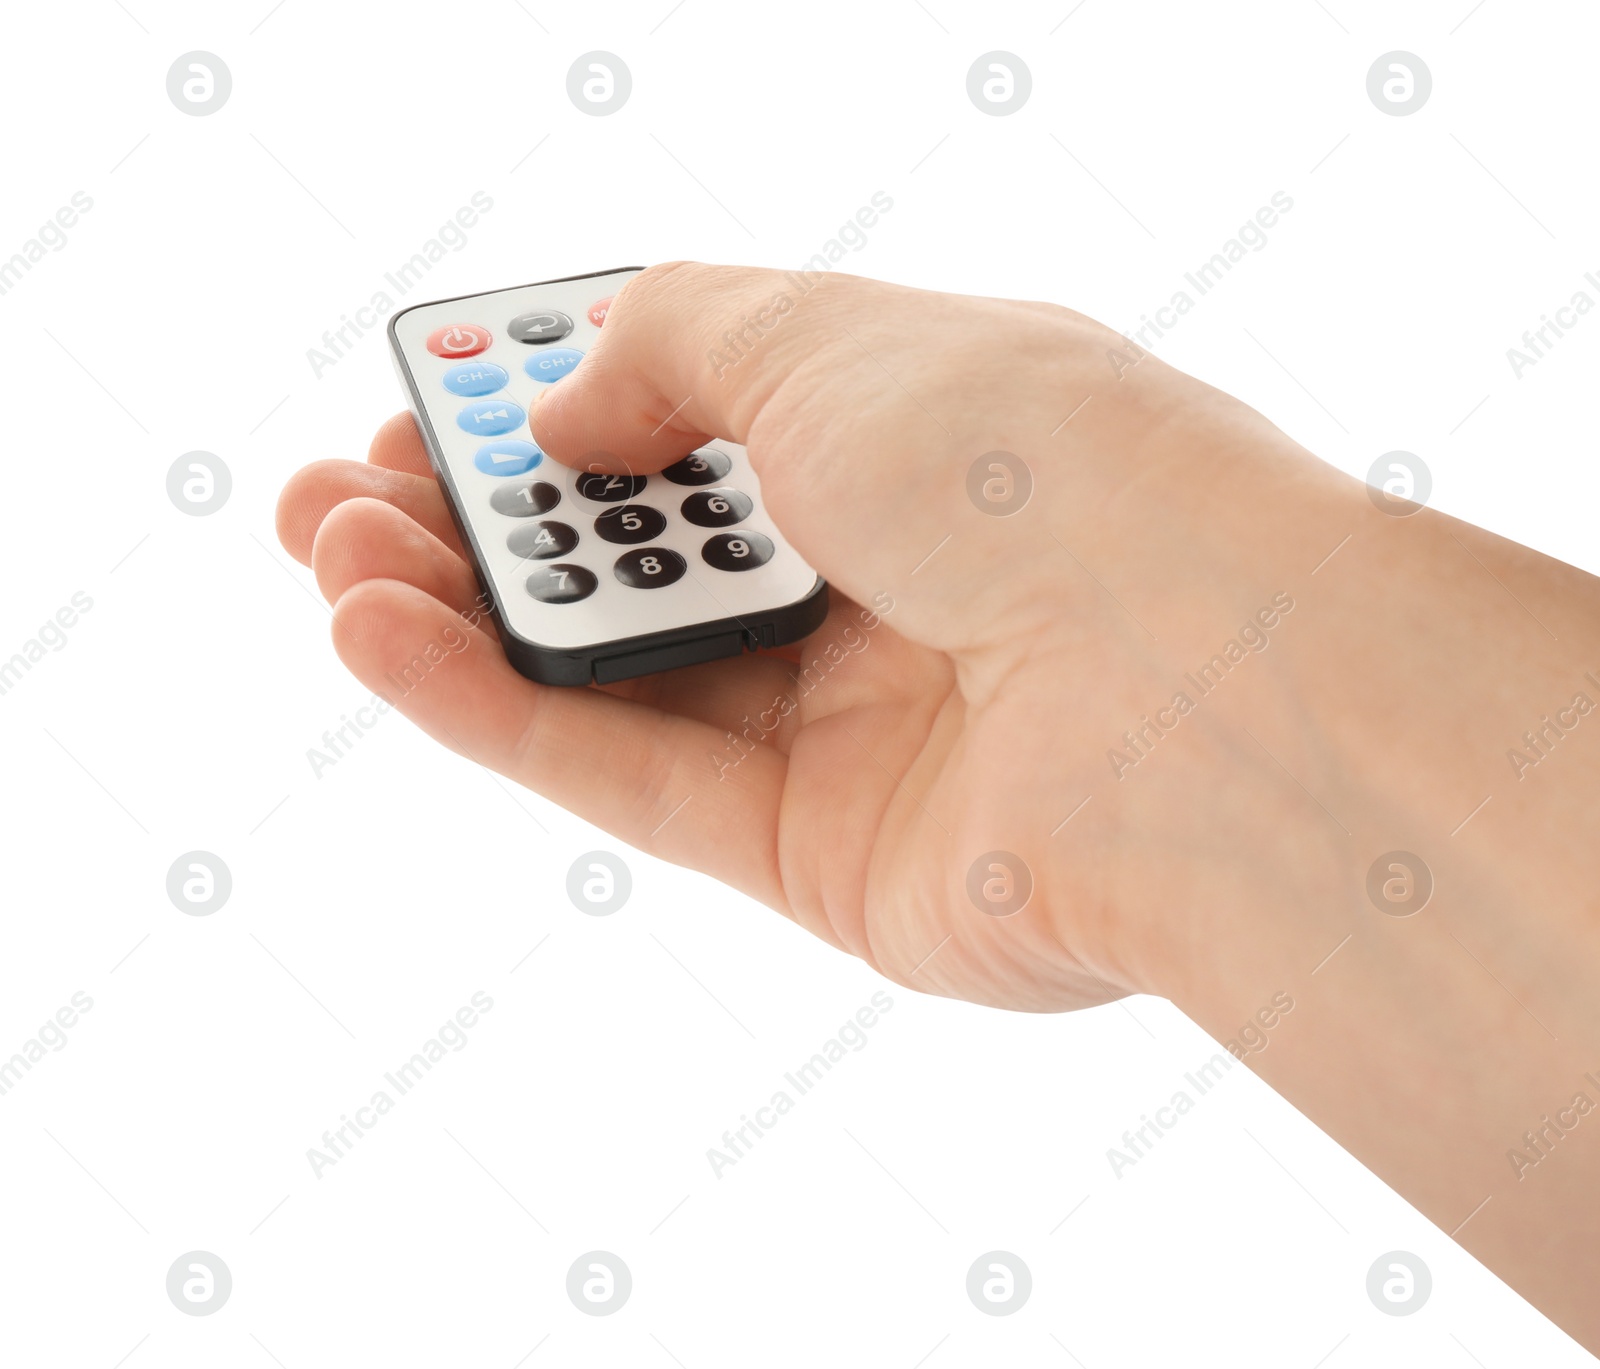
pixel 510 457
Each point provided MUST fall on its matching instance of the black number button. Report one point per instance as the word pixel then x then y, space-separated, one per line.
pixel 561 584
pixel 717 508
pixel 650 568
pixel 737 551
pixel 699 468
pixel 609 489
pixel 630 524
pixel 543 541
pixel 526 500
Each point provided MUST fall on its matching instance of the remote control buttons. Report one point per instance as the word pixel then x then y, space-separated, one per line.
pixel 552 364
pixel 717 508
pixel 609 489
pixel 511 457
pixel 598 311
pixel 741 551
pixel 650 568
pixel 699 468
pixel 458 340
pixel 542 541
pixel 562 584
pixel 630 524
pixel 524 501
pixel 475 378
pixel 491 417
pixel 542 325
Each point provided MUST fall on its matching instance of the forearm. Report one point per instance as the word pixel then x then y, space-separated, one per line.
pixel 1433 697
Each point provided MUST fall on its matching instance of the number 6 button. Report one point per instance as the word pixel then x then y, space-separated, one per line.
pixel 650 568
pixel 717 508
pixel 737 551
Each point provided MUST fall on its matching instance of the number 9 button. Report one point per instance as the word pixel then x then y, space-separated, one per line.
pixel 737 551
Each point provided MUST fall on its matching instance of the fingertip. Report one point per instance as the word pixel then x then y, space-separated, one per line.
pixel 397 446
pixel 300 508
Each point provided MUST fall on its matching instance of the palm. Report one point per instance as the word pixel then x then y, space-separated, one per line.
pixel 847 810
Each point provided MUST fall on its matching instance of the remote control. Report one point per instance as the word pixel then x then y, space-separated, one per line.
pixel 590 576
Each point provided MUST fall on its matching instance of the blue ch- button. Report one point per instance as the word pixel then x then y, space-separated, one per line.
pixel 472 378
pixel 509 457
pixel 551 363
pixel 492 417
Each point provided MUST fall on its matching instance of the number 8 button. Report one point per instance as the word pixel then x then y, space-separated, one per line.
pixel 650 568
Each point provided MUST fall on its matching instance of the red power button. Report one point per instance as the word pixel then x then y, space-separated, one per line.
pixel 458 340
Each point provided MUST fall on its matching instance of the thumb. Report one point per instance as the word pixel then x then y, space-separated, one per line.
pixel 660 381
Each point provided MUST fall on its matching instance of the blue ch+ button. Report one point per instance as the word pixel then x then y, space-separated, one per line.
pixel 510 457
pixel 491 417
pixel 552 363
pixel 473 378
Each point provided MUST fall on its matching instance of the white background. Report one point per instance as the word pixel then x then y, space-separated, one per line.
pixel 370 903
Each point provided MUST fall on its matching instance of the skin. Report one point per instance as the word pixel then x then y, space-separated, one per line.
pixel 1224 860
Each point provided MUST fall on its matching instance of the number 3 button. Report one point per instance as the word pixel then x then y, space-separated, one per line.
pixel 741 551
pixel 650 568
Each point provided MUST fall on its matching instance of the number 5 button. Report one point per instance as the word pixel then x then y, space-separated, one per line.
pixel 631 523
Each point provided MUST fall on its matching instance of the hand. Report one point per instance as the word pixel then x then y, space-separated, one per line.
pixel 958 702
pixel 1193 687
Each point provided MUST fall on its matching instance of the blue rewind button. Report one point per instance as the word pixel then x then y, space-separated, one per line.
pixel 492 417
